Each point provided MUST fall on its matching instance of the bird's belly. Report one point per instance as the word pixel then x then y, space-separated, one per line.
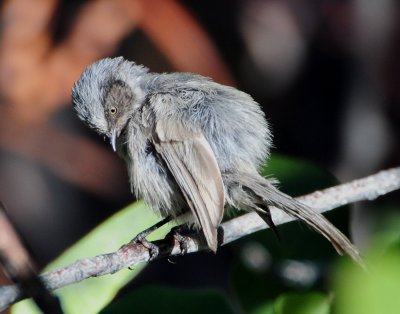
pixel 152 182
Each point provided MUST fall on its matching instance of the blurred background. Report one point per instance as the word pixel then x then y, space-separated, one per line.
pixel 326 73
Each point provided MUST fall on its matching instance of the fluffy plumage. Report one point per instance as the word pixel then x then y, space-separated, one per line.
pixel 190 144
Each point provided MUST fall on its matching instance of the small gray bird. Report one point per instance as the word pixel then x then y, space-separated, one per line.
pixel 190 145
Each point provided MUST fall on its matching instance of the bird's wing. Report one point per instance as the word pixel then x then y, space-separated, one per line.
pixel 192 162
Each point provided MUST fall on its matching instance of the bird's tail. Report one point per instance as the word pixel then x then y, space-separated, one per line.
pixel 264 189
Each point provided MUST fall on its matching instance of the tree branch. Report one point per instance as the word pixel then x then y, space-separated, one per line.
pixel 19 267
pixel 367 188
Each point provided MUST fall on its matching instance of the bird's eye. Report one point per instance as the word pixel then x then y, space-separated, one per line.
pixel 113 110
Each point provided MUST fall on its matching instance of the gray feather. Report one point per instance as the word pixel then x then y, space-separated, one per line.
pixel 254 189
pixel 190 144
pixel 192 163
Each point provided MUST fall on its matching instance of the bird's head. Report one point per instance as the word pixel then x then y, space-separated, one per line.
pixel 107 93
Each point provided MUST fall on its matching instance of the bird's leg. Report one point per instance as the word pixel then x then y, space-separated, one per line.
pixel 141 238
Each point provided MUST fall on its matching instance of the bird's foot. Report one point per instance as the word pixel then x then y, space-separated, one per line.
pixel 153 249
pixel 181 234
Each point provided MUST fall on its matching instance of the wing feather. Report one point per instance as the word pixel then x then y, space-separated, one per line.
pixel 192 162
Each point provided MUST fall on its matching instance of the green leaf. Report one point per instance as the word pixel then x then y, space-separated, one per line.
pixel 159 299
pixel 374 291
pixel 308 303
pixel 297 176
pixel 91 295
pixel 266 308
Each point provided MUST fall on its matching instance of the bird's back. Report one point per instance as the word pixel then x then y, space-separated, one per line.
pixel 232 122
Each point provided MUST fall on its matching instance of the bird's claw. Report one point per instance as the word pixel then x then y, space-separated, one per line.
pixel 153 249
pixel 179 234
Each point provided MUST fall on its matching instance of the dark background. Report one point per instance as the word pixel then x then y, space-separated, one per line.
pixel 325 72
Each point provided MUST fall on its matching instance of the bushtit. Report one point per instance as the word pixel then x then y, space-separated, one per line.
pixel 190 145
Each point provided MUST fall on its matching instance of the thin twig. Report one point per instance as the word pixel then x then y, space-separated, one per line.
pixel 132 254
pixel 18 265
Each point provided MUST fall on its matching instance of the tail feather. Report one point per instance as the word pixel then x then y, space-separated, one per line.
pixel 265 215
pixel 272 196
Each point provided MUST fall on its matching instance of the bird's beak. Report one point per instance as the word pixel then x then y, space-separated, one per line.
pixel 113 139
